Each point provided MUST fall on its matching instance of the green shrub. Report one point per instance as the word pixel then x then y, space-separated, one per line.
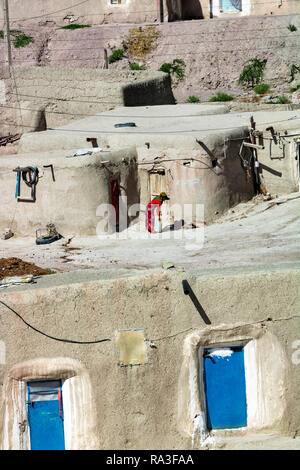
pixel 176 68
pixel 292 27
pixel 192 99
pixel 221 97
pixel 13 32
pixel 262 88
pixel 252 72
pixel 283 99
pixel 75 26
pixel 22 40
pixel 117 54
pixel 136 66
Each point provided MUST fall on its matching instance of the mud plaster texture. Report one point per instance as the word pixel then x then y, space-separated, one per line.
pixel 80 187
pixel 37 98
pixel 214 52
pixel 198 150
pixel 137 407
pixel 135 11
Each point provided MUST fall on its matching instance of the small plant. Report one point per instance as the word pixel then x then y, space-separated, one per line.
pixel 262 88
pixel 295 88
pixel 252 72
pixel 192 99
pixel 22 40
pixel 294 70
pixel 116 55
pixel 13 32
pixel 75 26
pixel 136 66
pixel 292 27
pixel 176 68
pixel 221 97
pixel 282 99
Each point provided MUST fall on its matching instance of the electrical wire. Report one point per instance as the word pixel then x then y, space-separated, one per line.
pixel 266 49
pixel 49 336
pixel 51 14
pixel 156 132
pixel 93 28
pixel 112 116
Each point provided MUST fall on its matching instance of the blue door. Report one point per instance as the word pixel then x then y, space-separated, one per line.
pixel 231 5
pixel 45 415
pixel 225 387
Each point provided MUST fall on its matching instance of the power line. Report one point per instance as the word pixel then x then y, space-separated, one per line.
pixel 46 14
pixel 65 100
pixel 148 35
pixel 154 131
pixel 126 26
pixel 51 14
pixel 102 114
pixel 175 53
pixel 49 336
pixel 189 43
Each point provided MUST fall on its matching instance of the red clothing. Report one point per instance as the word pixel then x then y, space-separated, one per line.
pixel 150 214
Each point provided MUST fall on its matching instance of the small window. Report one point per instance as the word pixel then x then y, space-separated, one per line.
pixel 225 387
pixel 117 2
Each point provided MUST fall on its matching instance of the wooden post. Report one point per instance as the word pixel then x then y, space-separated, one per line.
pixel 6 32
pixel 160 4
pixel 258 184
pixel 105 59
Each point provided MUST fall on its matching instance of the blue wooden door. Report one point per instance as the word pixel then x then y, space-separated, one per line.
pixel 225 388
pixel 45 415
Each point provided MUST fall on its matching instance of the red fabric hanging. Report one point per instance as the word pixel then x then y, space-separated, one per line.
pixel 150 214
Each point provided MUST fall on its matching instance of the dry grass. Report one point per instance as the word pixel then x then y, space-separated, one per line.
pixel 141 41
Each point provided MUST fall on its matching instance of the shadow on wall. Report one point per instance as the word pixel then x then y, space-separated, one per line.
pixel 184 10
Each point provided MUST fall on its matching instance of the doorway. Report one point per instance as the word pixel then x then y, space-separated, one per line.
pixel 225 387
pixel 115 200
pixel 45 415
pixel 158 184
pixel 179 10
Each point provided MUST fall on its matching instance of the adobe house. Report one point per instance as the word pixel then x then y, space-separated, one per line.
pixel 133 360
pixel 97 12
pixel 201 169
pixel 279 157
pixel 198 154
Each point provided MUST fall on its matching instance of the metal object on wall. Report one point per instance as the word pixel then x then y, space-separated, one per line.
pixel 30 176
pixel 131 347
